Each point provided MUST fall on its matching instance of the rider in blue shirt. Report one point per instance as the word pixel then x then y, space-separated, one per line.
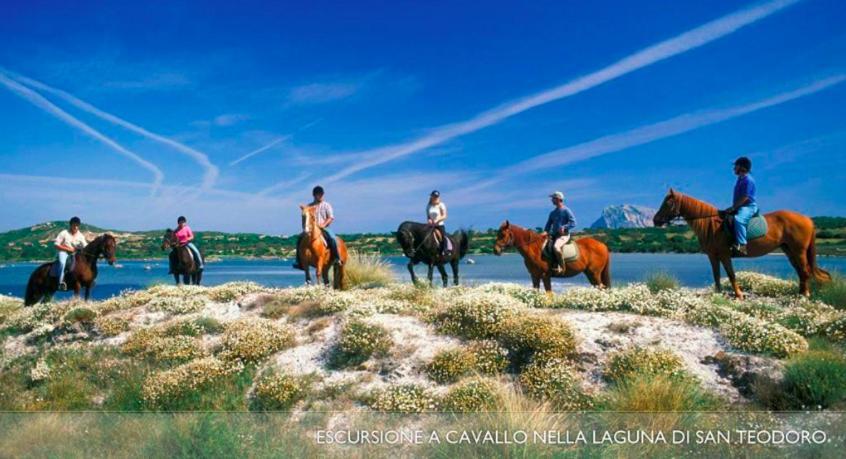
pixel 744 205
pixel 559 223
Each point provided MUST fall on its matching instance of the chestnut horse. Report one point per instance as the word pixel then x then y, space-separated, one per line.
pixel 181 260
pixel 594 258
pixel 314 252
pixel 42 286
pixel 792 232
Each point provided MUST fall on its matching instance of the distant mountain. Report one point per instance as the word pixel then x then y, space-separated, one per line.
pixel 625 216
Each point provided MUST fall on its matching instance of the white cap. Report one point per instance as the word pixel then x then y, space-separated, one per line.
pixel 557 194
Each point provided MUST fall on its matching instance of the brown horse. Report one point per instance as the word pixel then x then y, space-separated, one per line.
pixel 181 260
pixel 792 232
pixel 42 286
pixel 594 258
pixel 314 252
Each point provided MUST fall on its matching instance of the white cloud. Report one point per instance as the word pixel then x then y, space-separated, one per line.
pixel 319 93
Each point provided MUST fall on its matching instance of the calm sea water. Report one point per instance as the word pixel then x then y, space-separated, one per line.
pixel 691 269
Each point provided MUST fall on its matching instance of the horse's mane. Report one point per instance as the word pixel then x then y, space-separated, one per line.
pixel 696 208
pixel 531 235
pixel 702 217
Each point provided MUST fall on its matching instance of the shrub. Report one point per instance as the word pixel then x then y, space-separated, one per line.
pixel 404 399
pixel 530 297
pixel 448 366
pixel 482 315
pixel 367 271
pixel 279 392
pixel 764 285
pixel 177 304
pixel 233 290
pixel 275 309
pixel 659 392
pixel 660 281
pixel 149 343
pixel 111 325
pixel 815 380
pixel 554 382
pixel 80 315
pixel 538 338
pixel 835 330
pixel 754 335
pixel 8 306
pixel 471 396
pixel 166 386
pixel 491 358
pixel 358 342
pixel 832 293
pixel 253 339
pixel 642 361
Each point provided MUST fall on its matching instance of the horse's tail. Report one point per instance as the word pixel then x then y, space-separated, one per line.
pixel 33 294
pixel 605 276
pixel 464 243
pixel 818 273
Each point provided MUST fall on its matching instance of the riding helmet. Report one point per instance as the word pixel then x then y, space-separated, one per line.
pixel 435 194
pixel 744 162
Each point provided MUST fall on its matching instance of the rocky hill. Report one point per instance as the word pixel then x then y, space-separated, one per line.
pixel 625 216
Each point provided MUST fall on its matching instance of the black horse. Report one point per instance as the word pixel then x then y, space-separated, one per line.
pixel 419 245
pixel 181 260
pixel 42 285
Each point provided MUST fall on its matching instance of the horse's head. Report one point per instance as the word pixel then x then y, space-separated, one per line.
pixel 406 241
pixel 670 209
pixel 168 240
pixel 309 217
pixel 504 238
pixel 109 249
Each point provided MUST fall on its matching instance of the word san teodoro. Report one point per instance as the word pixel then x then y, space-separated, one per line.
pixel 554 437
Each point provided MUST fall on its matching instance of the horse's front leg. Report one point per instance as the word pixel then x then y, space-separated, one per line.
pixel 431 273
pixel 325 275
pixel 444 276
pixel 176 278
pixel 88 290
pixel 307 270
pixel 76 289
pixel 547 284
pixel 726 260
pixel 454 265
pixel 535 281
pixel 715 270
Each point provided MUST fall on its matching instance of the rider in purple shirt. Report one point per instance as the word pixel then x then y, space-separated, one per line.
pixel 744 205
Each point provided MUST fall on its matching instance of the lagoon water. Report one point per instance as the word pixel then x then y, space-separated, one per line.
pixel 692 270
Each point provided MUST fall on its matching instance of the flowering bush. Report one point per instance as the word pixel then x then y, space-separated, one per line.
pixel 835 330
pixel 111 325
pixel 553 381
pixel 279 392
pixel 530 297
pixel 753 335
pixel 39 372
pixel 448 366
pixel 233 290
pixel 763 285
pixel 150 343
pixel 360 340
pixel 79 315
pixel 404 399
pixel 471 396
pixel 177 304
pixel 477 315
pixel 252 339
pixel 491 358
pixel 535 337
pixel 165 386
pixel 641 361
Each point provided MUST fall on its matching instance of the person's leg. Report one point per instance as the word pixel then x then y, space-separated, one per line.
pixel 333 244
pixel 63 260
pixel 442 230
pixel 196 252
pixel 741 219
pixel 297 264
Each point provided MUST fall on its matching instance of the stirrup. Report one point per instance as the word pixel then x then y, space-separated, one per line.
pixel 63 286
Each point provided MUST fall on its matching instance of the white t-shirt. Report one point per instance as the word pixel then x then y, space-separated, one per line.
pixel 436 211
pixel 76 241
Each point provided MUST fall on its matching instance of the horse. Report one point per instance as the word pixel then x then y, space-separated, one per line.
pixel 419 245
pixel 181 260
pixel 314 252
pixel 791 231
pixel 42 286
pixel 594 258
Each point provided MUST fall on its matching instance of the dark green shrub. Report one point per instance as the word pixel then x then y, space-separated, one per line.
pixel 815 380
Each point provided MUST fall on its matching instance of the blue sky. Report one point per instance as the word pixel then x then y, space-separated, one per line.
pixel 229 112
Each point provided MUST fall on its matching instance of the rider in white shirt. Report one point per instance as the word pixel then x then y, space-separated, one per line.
pixel 436 215
pixel 67 242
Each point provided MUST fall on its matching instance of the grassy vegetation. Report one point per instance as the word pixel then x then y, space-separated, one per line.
pixel 367 271
pixel 659 281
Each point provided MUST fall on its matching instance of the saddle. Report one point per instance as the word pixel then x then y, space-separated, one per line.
pixel 566 252
pixel 174 258
pixel 756 228
pixel 69 265
pixel 436 235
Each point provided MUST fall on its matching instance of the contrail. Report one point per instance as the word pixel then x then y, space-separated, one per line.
pixel 260 150
pixel 211 171
pixel 39 101
pixel 679 44
pixel 650 133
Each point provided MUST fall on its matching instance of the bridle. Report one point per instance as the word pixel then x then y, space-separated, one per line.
pixel 676 212
pixel 506 244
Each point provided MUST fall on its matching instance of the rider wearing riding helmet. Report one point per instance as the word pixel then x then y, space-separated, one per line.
pixel 185 237
pixel 325 216
pixel 436 215
pixel 558 225
pixel 67 242
pixel 744 206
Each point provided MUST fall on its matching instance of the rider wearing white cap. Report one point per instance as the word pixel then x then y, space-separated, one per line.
pixel 561 220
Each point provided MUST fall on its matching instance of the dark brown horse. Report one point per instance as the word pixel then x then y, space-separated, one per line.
pixel 181 260
pixel 313 252
pixel 594 258
pixel 42 286
pixel 792 232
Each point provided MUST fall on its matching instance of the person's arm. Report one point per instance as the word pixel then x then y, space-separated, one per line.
pixel 548 225
pixel 61 245
pixel 571 219
pixel 190 235
pixel 744 199
pixel 330 218
pixel 443 216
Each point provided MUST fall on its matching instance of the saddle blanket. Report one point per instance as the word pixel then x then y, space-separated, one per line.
pixel 567 249
pixel 448 244
pixel 54 267
pixel 756 228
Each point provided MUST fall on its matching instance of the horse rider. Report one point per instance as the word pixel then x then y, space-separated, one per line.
pixel 185 238
pixel 68 242
pixel 436 215
pixel 558 225
pixel 325 216
pixel 744 206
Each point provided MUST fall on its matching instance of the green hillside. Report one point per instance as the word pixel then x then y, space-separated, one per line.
pixel 36 242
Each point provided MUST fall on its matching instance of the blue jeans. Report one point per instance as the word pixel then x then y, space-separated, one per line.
pixel 196 252
pixel 741 219
pixel 63 260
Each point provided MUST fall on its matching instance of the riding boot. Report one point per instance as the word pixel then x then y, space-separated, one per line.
pixel 297 264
